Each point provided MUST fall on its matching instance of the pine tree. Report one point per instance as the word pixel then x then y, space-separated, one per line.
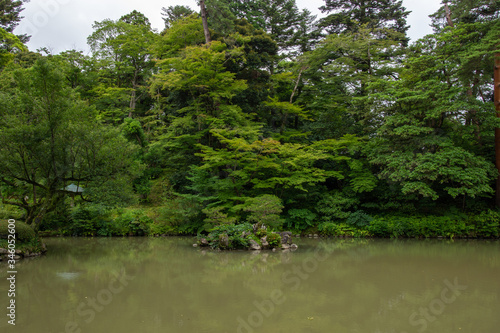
pixel 349 16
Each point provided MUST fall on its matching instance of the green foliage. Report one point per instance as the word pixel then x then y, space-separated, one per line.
pixel 89 220
pixel 216 216
pixel 300 219
pixel 61 143
pixel 133 131
pixel 235 234
pixel 421 226
pixel 355 135
pixel 9 45
pixel 359 219
pixel 486 224
pixel 341 230
pixel 265 210
pixel 132 223
pixel 174 13
pixel 23 232
pixel 274 240
pixel 336 206
pixel 184 213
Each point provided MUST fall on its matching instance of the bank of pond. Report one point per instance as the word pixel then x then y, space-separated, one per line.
pixel 138 222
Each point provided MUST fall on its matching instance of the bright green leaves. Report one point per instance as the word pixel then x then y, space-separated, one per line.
pixel 9 45
pixel 199 72
pixel 245 168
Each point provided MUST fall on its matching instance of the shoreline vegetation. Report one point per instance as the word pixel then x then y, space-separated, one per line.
pixel 245 123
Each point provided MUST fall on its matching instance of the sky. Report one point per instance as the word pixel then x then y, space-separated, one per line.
pixel 61 25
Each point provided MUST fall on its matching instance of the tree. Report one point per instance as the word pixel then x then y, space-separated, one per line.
pixel 175 13
pixel 9 46
pixel 281 19
pixel 436 137
pixel 205 22
pixel 479 20
pixel 340 73
pixel 220 19
pixel 10 11
pixel 123 48
pixel 344 16
pixel 195 93
pixel 50 139
pixel 465 11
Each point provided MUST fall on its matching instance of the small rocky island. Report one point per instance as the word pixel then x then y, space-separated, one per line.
pixel 27 243
pixel 247 237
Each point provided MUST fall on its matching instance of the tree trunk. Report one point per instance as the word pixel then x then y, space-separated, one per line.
pixel 497 130
pixel 205 22
pixel 448 15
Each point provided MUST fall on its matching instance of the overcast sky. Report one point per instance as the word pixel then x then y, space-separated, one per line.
pixel 65 24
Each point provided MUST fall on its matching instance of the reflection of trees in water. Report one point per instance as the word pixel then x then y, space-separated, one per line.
pixel 363 284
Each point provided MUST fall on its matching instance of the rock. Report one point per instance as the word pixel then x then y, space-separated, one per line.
pixel 286 237
pixel 44 247
pixel 223 241
pixel 254 246
pixel 316 236
pixel 19 252
pixel 310 235
pixel 265 244
pixel 274 249
pixel 204 242
pixel 3 251
pixel 294 247
pixel 195 245
pixel 285 246
pixel 17 257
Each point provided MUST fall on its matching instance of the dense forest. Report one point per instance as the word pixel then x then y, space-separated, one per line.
pixel 256 111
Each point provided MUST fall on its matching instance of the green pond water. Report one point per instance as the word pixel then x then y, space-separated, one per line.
pixel 327 285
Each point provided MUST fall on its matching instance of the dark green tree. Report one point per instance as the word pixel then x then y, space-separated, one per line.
pixel 350 15
pixel 49 139
pixel 281 19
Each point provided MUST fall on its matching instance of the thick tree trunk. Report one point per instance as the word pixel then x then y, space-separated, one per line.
pixel 205 22
pixel 497 130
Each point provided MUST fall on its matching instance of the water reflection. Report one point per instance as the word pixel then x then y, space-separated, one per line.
pixel 166 285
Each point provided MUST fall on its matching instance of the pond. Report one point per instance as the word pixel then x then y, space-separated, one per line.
pixel 151 285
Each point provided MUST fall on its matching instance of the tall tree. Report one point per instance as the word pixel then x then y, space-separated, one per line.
pixel 281 19
pixel 350 15
pixel 10 17
pixel 204 20
pixel 465 11
pixel 123 48
pixel 436 139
